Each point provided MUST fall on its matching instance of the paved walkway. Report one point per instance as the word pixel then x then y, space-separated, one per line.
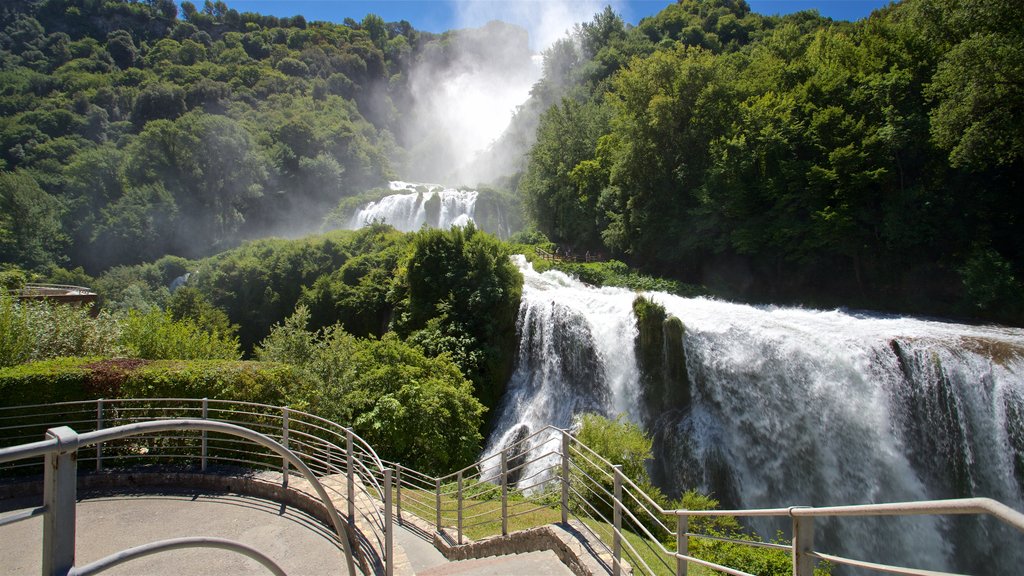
pixel 300 544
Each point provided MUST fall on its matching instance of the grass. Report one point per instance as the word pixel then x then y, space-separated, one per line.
pixel 482 519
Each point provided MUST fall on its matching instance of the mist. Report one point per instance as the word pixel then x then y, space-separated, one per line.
pixel 467 87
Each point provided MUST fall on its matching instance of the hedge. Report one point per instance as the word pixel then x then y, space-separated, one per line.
pixel 70 379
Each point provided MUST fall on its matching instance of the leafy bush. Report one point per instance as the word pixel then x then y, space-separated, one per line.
pixel 461 291
pixel 68 379
pixel 413 409
pixel 157 336
pixel 37 330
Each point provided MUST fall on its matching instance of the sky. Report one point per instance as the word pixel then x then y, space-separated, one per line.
pixel 442 15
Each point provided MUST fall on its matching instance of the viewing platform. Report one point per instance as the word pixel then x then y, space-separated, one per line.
pixel 177 485
pixel 61 293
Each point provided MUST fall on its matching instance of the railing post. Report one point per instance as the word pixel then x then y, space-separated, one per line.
pixel 398 493
pixel 60 481
pixel 99 426
pixel 459 508
pixel 350 474
pixel 803 545
pixel 565 477
pixel 504 492
pixel 204 453
pixel 284 442
pixel 682 543
pixel 389 532
pixel 437 503
pixel 617 519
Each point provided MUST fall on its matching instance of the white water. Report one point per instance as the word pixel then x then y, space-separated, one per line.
pixel 796 407
pixel 407 208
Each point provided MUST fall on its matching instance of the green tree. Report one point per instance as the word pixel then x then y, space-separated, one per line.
pixel 30 230
pixel 412 408
pixel 464 281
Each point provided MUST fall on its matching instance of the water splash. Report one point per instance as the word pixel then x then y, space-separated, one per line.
pixel 414 205
pixel 797 407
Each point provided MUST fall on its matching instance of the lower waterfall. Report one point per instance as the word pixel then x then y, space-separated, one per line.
pixel 787 406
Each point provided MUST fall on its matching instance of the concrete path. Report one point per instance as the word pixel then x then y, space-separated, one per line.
pixel 300 544
pixel 427 561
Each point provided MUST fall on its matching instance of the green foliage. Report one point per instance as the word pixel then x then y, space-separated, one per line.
pixel 68 379
pixel 460 291
pixel 30 229
pixel 412 408
pixel 188 303
pixel 36 330
pixel 15 340
pixel 147 135
pixel 791 158
pixel 157 336
pixel 619 441
pixel 991 287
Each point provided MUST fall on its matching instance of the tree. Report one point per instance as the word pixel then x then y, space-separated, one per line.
pixel 413 409
pixel 211 168
pixel 460 292
pixel 30 228
pixel 122 48
pixel 563 183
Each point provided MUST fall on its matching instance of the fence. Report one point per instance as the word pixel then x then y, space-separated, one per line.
pixel 548 476
pixel 206 435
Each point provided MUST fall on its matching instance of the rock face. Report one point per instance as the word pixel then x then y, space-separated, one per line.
pixel 661 358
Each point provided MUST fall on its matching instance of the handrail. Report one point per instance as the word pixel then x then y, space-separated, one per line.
pixel 59 553
pixel 647 510
pixel 319 441
pixel 118 558
pixel 609 497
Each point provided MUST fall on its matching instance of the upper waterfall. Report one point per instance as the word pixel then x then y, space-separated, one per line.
pixel 412 205
pixel 796 407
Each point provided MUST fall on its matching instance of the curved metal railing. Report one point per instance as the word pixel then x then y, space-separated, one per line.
pixel 60 451
pixel 548 476
pixel 328 448
pixel 551 476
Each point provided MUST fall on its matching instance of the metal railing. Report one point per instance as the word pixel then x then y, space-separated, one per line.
pixel 548 476
pixel 327 449
pixel 551 476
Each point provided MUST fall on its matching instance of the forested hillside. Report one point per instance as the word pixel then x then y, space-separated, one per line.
pixel 785 159
pixel 129 130
pixel 877 163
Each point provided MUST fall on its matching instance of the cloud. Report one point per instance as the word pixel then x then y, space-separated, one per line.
pixel 545 20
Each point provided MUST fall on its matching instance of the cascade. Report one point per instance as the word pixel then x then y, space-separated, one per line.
pixel 790 406
pixel 413 205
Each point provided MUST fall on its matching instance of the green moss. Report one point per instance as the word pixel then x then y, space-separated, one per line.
pixel 662 359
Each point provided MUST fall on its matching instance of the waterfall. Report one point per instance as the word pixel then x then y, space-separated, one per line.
pixel 413 205
pixel 570 360
pixel 796 407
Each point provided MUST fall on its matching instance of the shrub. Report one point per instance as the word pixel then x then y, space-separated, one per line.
pixel 412 408
pixel 69 379
pixel 38 330
pixel 156 336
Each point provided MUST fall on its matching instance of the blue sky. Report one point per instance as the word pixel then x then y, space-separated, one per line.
pixel 441 15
